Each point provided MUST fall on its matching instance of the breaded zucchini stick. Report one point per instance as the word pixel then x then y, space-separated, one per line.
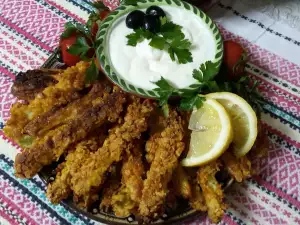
pixel 212 191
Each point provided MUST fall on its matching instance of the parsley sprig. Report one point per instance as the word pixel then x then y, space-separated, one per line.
pixel 247 89
pixel 169 38
pixel 190 98
pixel 206 77
pixel 84 47
pixel 85 44
pixel 94 16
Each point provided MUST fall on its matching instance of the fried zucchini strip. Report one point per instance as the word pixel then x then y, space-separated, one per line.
pixel 212 191
pixel 126 201
pixel 238 168
pixel 197 200
pixel 87 181
pixel 181 183
pixel 63 92
pixel 61 115
pixel 60 188
pixel 56 142
pixel 170 145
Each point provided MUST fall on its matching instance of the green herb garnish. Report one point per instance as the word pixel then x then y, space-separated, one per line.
pixel 95 15
pixel 169 38
pixel 206 72
pixel 71 28
pixel 92 73
pixel 138 36
pixel 165 90
pixel 80 48
pixel 99 5
pixel 85 44
pixel 191 102
pixel 247 89
pixel 190 98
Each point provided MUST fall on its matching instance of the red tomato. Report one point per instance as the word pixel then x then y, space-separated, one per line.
pixel 235 58
pixel 95 27
pixel 104 14
pixel 65 44
pixel 94 30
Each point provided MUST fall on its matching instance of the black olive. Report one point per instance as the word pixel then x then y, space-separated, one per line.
pixel 152 23
pixel 135 19
pixel 155 11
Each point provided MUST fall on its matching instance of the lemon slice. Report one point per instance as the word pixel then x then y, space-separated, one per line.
pixel 212 133
pixel 243 118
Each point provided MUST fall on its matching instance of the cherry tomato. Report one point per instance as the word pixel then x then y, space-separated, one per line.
pixel 95 27
pixel 104 14
pixel 235 58
pixel 65 44
pixel 94 30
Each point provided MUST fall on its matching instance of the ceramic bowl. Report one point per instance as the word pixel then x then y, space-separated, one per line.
pixel 104 32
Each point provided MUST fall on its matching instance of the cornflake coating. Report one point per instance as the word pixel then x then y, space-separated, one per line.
pixel 151 147
pixel 50 147
pixel 110 188
pixel 89 179
pixel 126 200
pixel 64 113
pixel 238 168
pixel 197 200
pixel 170 145
pixel 60 188
pixel 63 92
pixel 212 191
pixel 181 183
pixel 232 165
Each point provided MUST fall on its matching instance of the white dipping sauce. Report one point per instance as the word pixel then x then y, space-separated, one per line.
pixel 142 65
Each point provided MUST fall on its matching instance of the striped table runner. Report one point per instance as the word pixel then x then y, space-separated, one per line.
pixel 268 29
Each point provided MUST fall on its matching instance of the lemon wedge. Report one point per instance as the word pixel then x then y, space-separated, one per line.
pixel 243 119
pixel 211 136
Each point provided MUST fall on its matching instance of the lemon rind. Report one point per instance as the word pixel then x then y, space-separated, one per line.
pixel 223 142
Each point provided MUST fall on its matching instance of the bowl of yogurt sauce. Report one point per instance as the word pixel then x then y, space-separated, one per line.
pixel 136 68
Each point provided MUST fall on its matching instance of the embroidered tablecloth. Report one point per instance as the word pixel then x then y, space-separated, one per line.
pixel 268 29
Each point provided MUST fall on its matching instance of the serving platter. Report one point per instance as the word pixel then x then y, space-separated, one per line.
pixel 181 213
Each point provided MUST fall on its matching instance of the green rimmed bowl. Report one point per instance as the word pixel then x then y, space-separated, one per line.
pixel 103 55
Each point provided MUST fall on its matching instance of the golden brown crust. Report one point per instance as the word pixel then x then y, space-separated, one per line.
pixel 55 143
pixel 103 147
pixel 170 145
pixel 89 179
pixel 245 165
pixel 126 200
pixel 60 115
pixel 181 183
pixel 231 163
pixel 60 188
pixel 238 168
pixel 65 91
pixel 212 191
pixel 197 200
pixel 133 171
pixel 151 147
pixel 110 188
